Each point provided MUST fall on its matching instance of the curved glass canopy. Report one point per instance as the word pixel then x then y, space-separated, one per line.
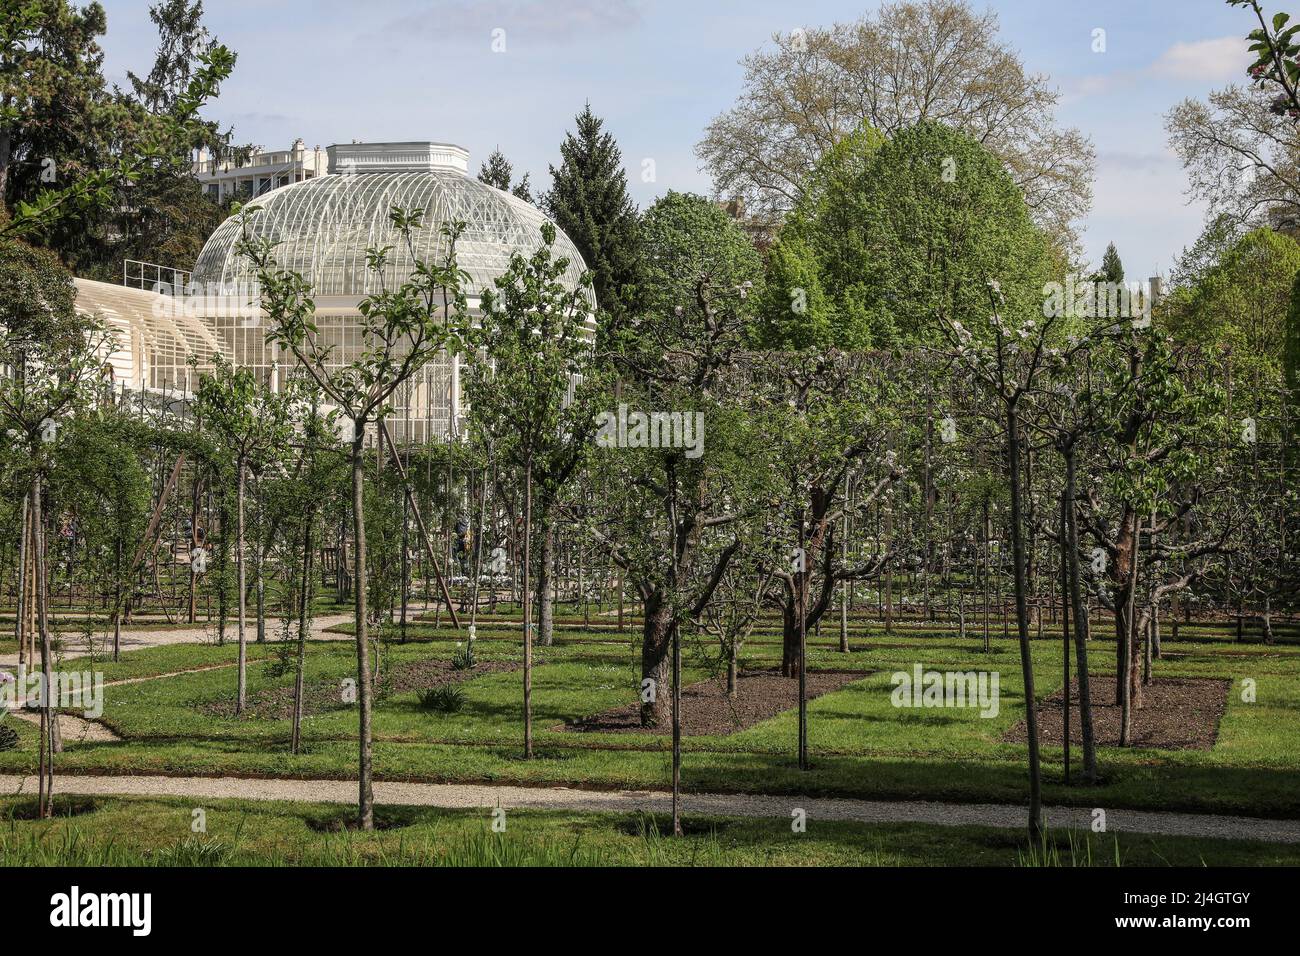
pixel 323 228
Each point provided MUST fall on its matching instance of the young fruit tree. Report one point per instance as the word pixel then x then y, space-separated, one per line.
pixel 530 395
pixel 403 327
pixel 252 421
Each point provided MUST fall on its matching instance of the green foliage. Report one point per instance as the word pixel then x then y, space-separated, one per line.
pixel 100 481
pixel 74 168
pixel 8 738
pixel 793 309
pixel 694 252
pixel 464 659
pixel 903 233
pixel 940 218
pixel 1239 304
pixel 536 331
pixel 1277 57
pixel 443 699
pixel 1112 269
pixel 52 353
pixel 498 172
pixel 815 264
pixel 588 199
pixel 251 420
pixel 1291 374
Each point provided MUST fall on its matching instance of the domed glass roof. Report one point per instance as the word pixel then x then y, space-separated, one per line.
pixel 324 226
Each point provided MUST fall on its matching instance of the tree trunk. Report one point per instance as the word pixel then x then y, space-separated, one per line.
pixel 802 595
pixel 1022 624
pixel 117 600
pixel 366 796
pixel 546 578
pixel 656 637
pixel 1080 626
pixel 526 598
pixel 241 696
pixel 45 785
pixel 677 728
pixel 1065 634
pixel 304 616
pixel 846 587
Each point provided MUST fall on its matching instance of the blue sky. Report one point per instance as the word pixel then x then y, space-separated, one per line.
pixel 659 70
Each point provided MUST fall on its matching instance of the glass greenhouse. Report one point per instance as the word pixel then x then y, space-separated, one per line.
pixel 322 228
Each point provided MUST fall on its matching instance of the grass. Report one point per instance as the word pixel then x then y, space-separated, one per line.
pixel 862 746
pixel 158 832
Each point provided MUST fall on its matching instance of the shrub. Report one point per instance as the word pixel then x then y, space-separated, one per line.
pixel 464 658
pixel 445 699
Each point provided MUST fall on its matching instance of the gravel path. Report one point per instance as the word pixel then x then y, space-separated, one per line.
pixel 74 729
pixel 462 796
pixel 206 634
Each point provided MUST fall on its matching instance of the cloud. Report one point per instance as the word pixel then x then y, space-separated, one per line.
pixel 1201 61
pixel 549 20
pixel 1214 61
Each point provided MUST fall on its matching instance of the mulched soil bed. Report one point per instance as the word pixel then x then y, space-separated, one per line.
pixel 707 710
pixel 1176 714
pixel 276 703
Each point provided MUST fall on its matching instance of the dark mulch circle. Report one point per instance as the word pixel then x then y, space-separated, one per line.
pixel 648 824
pixel 387 817
pixel 319 697
pixel 706 709
pixel 1177 713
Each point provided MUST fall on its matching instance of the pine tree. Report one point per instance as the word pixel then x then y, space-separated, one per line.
pixel 496 171
pixel 588 199
pixel 1112 269
pixel 182 38
pixel 523 190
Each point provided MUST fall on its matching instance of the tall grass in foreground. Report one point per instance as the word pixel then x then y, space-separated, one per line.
pixel 74 845
pixel 1078 852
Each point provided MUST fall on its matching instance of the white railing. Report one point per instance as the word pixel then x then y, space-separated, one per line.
pixel 150 275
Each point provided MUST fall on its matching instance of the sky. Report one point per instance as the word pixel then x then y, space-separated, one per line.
pixel 658 71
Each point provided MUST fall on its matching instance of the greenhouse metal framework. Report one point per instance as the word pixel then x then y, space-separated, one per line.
pixel 323 229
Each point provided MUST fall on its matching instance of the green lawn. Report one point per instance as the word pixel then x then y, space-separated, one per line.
pixel 133 832
pixel 862 745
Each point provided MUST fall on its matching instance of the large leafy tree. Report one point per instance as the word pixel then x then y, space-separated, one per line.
pixel 701 278
pixel 1239 304
pixel 100 174
pixel 911 61
pixel 53 100
pixel 814 294
pixel 907 233
pixel 588 200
